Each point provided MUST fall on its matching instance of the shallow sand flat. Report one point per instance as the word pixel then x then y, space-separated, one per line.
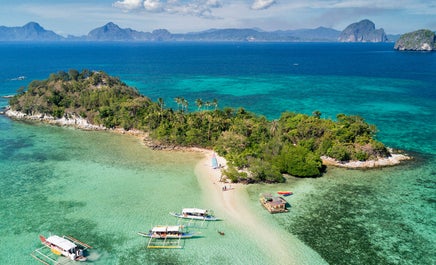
pixel 231 205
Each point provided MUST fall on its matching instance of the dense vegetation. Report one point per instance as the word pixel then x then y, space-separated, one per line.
pixel 292 144
pixel 419 40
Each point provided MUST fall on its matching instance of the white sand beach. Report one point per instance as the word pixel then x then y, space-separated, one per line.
pixel 231 205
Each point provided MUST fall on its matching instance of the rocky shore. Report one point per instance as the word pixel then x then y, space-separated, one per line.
pixel 81 123
pixel 392 160
pixel 70 120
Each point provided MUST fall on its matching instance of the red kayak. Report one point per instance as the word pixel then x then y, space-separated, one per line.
pixel 285 193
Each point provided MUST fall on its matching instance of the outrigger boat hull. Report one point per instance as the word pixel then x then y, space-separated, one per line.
pixel 201 218
pixel 151 235
pixel 66 246
pixel 163 236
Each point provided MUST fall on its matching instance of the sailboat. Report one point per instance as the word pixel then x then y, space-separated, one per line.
pixel 214 161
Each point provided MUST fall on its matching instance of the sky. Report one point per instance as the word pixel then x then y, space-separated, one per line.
pixel 181 16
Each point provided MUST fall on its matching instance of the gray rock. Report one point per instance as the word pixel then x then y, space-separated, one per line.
pixel 363 31
pixel 420 40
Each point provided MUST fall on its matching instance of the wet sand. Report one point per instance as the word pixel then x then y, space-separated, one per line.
pixel 231 205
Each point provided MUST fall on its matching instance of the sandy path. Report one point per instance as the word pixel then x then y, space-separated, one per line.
pixel 231 206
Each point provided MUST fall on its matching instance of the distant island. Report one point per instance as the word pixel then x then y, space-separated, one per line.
pixel 257 150
pixel 363 31
pixel 420 40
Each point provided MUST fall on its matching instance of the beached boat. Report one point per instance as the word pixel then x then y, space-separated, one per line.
pixel 66 246
pixel 163 236
pixel 274 204
pixel 285 193
pixel 214 161
pixel 196 214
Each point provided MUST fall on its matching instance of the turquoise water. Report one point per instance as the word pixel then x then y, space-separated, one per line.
pixel 103 188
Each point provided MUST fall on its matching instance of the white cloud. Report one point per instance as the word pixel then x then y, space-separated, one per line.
pixel 128 4
pixel 262 4
pixel 153 5
pixel 201 8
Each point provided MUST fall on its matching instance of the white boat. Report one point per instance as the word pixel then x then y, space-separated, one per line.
pixel 65 246
pixel 196 214
pixel 164 236
pixel 166 231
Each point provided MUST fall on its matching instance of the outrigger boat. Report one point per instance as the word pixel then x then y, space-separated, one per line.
pixel 196 214
pixel 66 246
pixel 166 236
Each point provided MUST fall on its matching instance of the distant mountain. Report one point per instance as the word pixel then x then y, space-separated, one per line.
pixel 363 31
pixel 257 35
pixel 420 40
pixel 32 31
pixel 112 32
pixel 320 34
pixel 393 37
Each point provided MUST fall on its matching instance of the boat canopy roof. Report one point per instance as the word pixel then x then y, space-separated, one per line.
pixel 61 242
pixel 194 210
pixel 161 229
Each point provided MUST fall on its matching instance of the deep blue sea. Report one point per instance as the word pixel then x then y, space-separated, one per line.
pixel 382 216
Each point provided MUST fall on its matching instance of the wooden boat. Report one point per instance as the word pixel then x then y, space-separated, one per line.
pixel 66 246
pixel 165 232
pixel 274 204
pixel 196 214
pixel 285 193
pixel 166 236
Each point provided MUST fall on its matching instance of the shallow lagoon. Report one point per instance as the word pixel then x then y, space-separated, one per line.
pixel 103 188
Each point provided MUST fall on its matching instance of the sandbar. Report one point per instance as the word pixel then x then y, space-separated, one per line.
pixel 231 204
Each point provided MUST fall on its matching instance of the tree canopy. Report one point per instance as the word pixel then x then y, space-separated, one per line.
pixel 292 144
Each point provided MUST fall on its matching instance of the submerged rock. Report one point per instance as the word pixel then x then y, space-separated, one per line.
pixel 420 40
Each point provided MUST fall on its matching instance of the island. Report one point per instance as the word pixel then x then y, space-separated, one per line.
pixel 420 40
pixel 255 149
pixel 362 31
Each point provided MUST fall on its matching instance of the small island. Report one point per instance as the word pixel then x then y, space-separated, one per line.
pixel 362 31
pixel 420 40
pixel 256 149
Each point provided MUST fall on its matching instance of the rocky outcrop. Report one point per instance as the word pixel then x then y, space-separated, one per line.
pixel 420 40
pixel 363 31
pixel 67 120
pixel 392 160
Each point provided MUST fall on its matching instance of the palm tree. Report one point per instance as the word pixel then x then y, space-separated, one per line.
pixel 199 103
pixel 215 103
pixel 316 114
pixel 207 104
pixel 185 104
pixel 178 100
pixel 274 127
pixel 161 103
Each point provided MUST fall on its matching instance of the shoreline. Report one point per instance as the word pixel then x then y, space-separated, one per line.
pixel 231 205
pixel 392 160
pixel 83 124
